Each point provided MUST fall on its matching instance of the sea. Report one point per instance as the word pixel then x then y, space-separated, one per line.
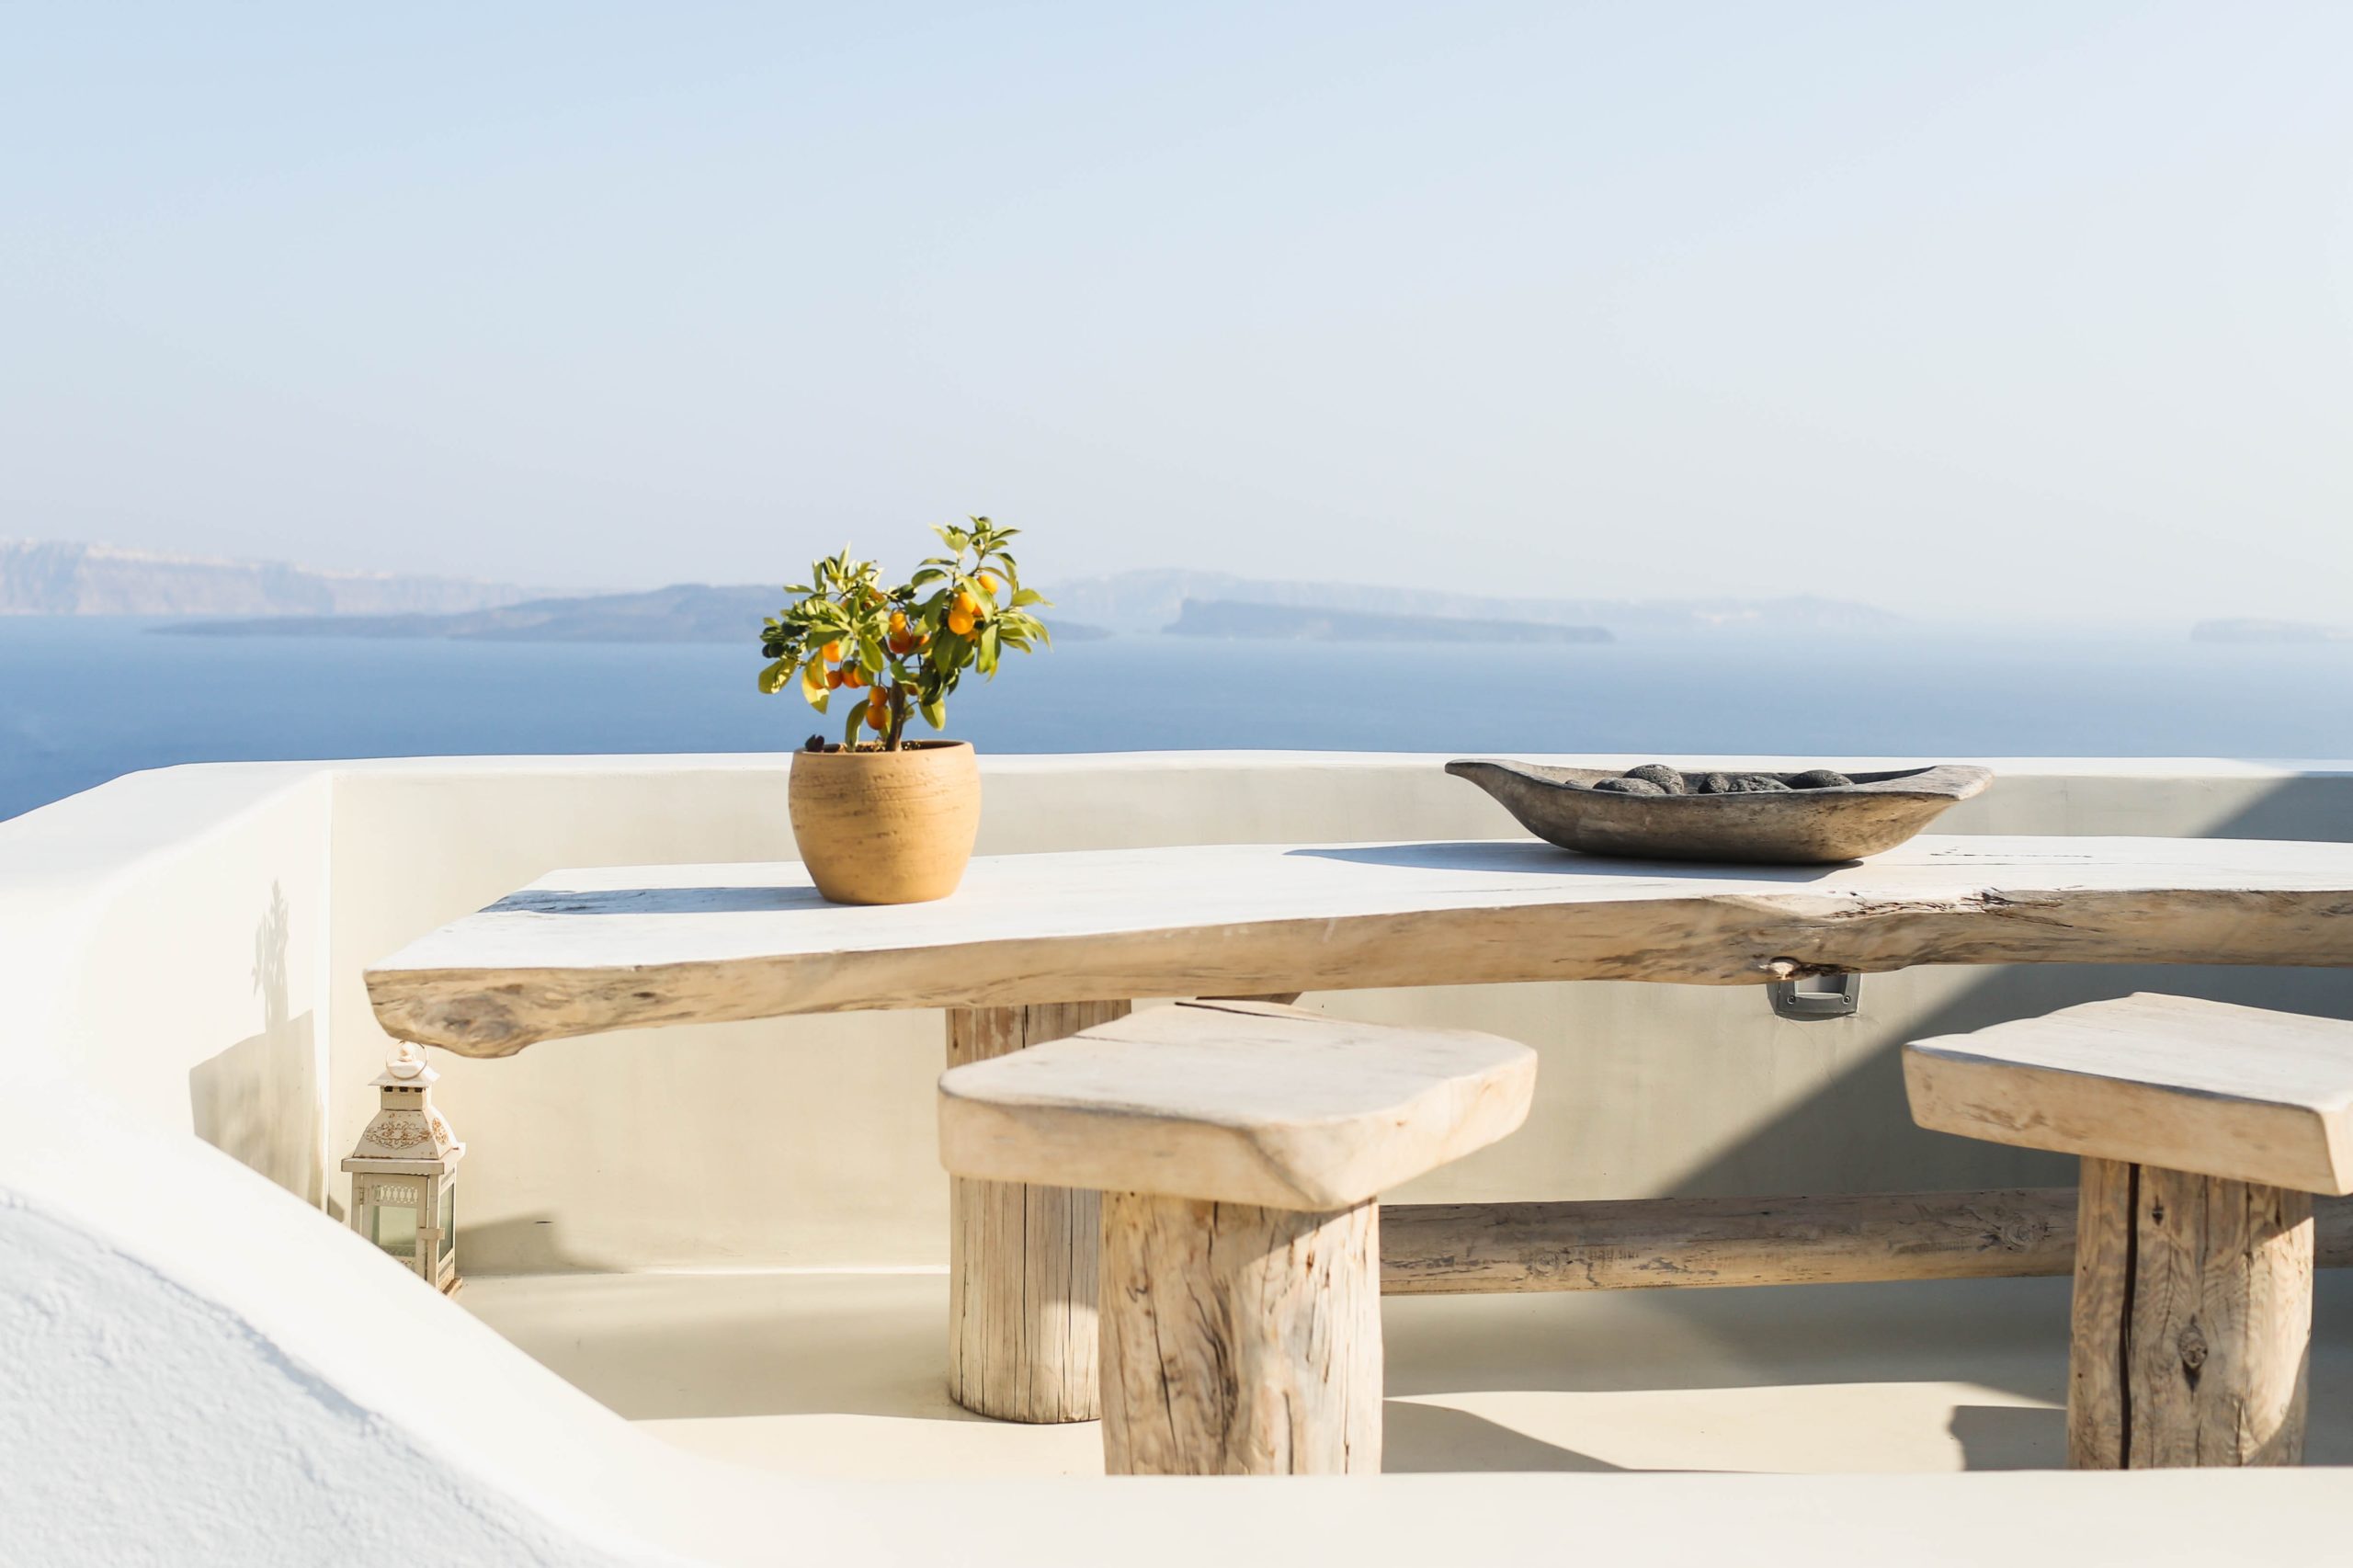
pixel 83 700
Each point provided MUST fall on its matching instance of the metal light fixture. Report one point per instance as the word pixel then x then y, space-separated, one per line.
pixel 403 1174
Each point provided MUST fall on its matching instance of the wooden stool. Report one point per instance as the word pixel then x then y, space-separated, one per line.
pixel 2204 1130
pixel 1240 1148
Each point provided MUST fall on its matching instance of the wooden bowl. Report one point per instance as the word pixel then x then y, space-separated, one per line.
pixel 1793 827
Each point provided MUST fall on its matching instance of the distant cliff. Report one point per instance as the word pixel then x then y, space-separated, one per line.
pixel 686 613
pixel 40 577
pixel 1226 617
pixel 251 599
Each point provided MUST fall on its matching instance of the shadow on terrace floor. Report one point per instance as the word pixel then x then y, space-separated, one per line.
pixel 842 1374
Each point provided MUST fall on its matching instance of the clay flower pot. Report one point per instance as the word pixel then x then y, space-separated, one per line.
pixel 886 827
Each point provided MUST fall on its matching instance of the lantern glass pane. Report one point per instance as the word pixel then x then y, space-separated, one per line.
pixel 395 1229
pixel 448 1221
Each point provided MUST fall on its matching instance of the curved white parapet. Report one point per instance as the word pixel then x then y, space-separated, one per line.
pixel 199 1363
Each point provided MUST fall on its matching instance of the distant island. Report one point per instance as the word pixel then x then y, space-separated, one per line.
pixel 1230 618
pixel 263 598
pixel 57 577
pixel 1156 597
pixel 685 612
pixel 2254 630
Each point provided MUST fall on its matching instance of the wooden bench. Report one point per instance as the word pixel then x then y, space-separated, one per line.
pixel 1240 1148
pixel 2204 1130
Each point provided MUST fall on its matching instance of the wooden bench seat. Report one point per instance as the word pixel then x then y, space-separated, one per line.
pixel 1240 1148
pixel 2204 1130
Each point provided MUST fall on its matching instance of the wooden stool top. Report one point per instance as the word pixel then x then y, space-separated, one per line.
pixel 2242 1093
pixel 1237 1102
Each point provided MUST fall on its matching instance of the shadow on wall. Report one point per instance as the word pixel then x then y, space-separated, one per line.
pixel 1861 1121
pixel 258 1101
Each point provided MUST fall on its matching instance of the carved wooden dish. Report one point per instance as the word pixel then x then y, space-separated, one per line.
pixel 1788 827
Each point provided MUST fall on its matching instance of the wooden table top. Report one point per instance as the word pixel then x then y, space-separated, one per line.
pixel 583 952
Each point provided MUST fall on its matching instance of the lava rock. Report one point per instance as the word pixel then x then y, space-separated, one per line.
pixel 1669 782
pixel 1628 786
pixel 1753 784
pixel 1816 778
pixel 1716 784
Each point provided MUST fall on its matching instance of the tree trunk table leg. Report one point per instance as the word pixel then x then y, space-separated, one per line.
pixel 1021 1259
pixel 1239 1340
pixel 2192 1321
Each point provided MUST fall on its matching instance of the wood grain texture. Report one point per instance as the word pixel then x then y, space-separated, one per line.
pixel 2220 1338
pixel 1021 1258
pixel 1652 1244
pixel 2097 1408
pixel 2164 1081
pixel 1686 1243
pixel 1239 1340
pixel 1239 1102
pixel 584 951
pixel 2192 1322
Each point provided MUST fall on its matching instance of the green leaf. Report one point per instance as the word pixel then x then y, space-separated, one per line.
pixel 813 684
pixel 1029 596
pixel 857 717
pixel 774 676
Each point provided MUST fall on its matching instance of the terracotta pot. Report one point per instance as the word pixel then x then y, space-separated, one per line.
pixel 886 827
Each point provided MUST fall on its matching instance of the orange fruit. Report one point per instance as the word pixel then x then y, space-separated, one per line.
pixel 960 622
pixel 830 652
pixel 993 582
pixel 852 677
pixel 964 605
pixel 902 643
pixel 833 679
pixel 878 714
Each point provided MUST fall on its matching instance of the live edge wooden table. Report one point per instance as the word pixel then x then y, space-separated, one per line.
pixel 1037 946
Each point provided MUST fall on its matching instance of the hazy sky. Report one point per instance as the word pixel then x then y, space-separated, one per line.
pixel 2036 308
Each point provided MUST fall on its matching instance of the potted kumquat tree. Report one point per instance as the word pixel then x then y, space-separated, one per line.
pixel 881 818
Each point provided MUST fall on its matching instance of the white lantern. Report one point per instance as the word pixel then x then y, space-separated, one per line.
pixel 404 1174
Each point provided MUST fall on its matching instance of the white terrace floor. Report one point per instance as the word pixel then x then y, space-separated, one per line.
pixel 840 1374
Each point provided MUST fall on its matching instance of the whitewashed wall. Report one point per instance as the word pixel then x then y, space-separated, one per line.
pixel 809 1141
pixel 195 938
pixel 197 1367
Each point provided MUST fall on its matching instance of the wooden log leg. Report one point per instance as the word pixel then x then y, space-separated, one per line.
pixel 1240 1340
pixel 2097 1432
pixel 1021 1259
pixel 2192 1321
